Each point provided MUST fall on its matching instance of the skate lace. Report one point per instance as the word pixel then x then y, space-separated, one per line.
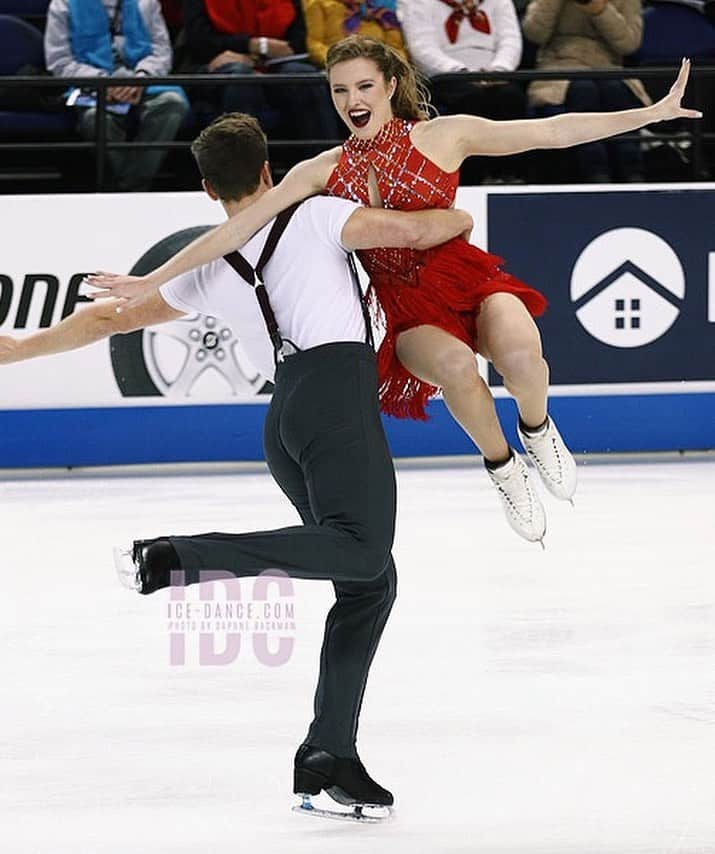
pixel 520 506
pixel 546 466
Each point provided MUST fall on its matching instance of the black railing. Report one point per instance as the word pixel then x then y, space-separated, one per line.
pixel 693 133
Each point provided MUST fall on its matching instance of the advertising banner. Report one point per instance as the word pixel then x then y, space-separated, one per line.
pixel 630 277
pixel 628 334
pixel 50 244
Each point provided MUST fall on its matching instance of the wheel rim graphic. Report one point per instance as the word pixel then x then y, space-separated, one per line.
pixel 204 348
pixel 208 345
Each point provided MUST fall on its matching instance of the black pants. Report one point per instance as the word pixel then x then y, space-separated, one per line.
pixel 326 448
pixel 305 108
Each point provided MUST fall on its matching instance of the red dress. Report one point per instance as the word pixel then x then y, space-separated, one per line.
pixel 441 287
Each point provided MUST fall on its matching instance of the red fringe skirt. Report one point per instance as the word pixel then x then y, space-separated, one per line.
pixel 450 283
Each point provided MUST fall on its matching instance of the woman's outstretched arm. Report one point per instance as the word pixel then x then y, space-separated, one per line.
pixel 472 135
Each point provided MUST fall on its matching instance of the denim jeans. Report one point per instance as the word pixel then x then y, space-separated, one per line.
pixel 157 119
pixel 302 110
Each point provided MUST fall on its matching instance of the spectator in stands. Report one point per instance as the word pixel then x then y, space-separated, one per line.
pixel 454 36
pixel 252 37
pixel 173 13
pixel 119 39
pixel 593 34
pixel 329 21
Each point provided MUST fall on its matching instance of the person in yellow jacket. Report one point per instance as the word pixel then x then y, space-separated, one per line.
pixel 329 21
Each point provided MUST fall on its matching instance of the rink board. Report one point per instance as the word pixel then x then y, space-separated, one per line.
pixel 629 335
pixel 107 436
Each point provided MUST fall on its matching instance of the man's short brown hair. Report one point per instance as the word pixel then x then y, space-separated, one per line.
pixel 230 154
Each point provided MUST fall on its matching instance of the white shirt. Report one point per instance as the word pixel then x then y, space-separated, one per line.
pixel 423 24
pixel 308 282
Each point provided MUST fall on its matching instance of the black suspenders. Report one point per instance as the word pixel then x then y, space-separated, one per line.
pixel 254 277
pixel 369 339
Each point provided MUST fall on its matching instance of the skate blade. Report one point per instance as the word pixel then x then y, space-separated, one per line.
pixel 358 815
pixel 126 570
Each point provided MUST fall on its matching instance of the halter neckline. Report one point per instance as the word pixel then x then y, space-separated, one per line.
pixel 389 132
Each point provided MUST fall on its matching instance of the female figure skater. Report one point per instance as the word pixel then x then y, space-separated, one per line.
pixel 443 305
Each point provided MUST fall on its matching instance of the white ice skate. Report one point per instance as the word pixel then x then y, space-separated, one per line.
pixel 552 460
pixel 522 505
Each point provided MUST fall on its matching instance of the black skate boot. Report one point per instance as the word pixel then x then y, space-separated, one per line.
pixel 148 566
pixel 345 780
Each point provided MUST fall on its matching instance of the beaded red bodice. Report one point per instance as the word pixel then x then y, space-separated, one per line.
pixel 406 181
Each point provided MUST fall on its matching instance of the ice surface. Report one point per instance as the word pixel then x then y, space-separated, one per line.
pixel 521 701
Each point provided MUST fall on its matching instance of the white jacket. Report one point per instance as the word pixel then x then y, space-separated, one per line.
pixel 60 59
pixel 423 24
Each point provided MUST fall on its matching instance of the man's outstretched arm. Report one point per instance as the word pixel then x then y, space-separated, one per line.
pixel 92 324
pixel 369 228
pixel 303 180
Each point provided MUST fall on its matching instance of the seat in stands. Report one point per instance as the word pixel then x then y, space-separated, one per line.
pixel 22 115
pixel 674 30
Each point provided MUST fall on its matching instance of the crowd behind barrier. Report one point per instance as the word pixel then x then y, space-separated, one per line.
pixel 49 146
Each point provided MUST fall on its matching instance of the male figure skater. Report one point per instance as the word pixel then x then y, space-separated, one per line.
pixel 323 436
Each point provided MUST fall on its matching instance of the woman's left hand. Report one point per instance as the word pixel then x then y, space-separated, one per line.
pixel 669 108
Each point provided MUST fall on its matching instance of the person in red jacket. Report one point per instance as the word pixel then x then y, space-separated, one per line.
pixel 254 37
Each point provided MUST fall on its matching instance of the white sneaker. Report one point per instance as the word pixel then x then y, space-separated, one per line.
pixel 522 505
pixel 552 459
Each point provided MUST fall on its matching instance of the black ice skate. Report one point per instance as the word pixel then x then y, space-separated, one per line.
pixel 147 566
pixel 345 780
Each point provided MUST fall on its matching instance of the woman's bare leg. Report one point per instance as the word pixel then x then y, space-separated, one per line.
pixel 508 337
pixel 434 356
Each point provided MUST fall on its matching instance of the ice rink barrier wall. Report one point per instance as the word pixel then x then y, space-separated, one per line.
pixel 629 333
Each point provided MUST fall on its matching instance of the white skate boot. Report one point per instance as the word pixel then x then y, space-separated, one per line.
pixel 522 505
pixel 552 459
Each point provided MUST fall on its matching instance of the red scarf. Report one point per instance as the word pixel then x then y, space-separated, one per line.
pixel 462 10
pixel 269 18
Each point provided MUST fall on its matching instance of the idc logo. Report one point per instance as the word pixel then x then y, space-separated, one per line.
pixel 627 287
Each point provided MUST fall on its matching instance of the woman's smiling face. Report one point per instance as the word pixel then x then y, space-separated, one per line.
pixel 361 96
